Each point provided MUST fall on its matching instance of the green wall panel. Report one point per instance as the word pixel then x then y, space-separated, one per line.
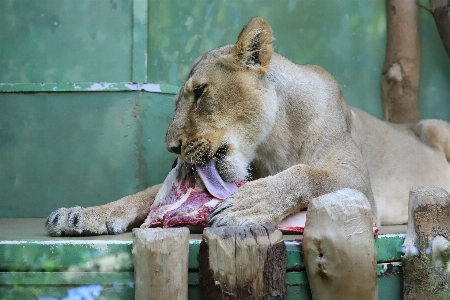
pixel 345 37
pixel 83 148
pixel 82 41
pixel 434 94
pixel 154 161
pixel 390 287
pixel 65 40
pixel 80 146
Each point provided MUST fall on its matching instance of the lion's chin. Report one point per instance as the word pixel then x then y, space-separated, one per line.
pixel 233 167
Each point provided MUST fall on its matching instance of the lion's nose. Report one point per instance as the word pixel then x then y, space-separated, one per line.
pixel 176 150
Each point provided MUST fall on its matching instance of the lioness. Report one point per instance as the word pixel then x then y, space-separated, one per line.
pixel 288 128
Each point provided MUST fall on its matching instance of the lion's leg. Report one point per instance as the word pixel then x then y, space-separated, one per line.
pixel 434 133
pixel 112 218
pixel 267 201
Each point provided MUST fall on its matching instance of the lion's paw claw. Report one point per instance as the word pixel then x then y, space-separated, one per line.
pixel 74 221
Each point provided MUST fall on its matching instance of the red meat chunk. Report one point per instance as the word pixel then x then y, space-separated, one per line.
pixel 190 193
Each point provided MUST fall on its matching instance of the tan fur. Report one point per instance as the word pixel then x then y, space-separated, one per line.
pixel 287 127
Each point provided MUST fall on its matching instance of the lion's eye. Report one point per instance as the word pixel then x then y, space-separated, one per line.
pixel 198 92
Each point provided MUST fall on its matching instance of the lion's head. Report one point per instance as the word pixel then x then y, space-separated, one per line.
pixel 225 108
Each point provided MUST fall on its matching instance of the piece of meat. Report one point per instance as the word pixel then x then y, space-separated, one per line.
pixel 182 200
pixel 293 223
pixel 190 193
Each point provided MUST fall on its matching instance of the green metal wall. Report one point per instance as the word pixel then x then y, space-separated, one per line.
pixel 75 130
pixel 345 37
pixel 79 148
pixel 65 41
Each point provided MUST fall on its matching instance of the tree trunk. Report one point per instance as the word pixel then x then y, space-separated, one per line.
pixel 439 10
pixel 400 78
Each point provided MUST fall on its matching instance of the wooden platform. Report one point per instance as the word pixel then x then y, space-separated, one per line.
pixel 34 265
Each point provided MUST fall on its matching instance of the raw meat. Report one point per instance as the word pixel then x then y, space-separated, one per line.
pixel 293 223
pixel 190 193
pixel 182 200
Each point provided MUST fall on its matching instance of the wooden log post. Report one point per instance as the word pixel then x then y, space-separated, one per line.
pixel 401 70
pixel 339 248
pixel 239 262
pixel 426 263
pixel 160 257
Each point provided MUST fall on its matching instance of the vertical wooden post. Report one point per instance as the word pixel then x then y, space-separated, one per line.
pixel 160 257
pixel 401 70
pixel 426 263
pixel 239 262
pixel 339 248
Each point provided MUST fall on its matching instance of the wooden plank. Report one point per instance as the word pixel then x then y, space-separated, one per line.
pixel 160 257
pixel 90 255
pixel 67 278
pixel 243 263
pixel 120 285
pixel 426 268
pixel 24 246
pixel 53 292
pixel 64 255
pixel 339 249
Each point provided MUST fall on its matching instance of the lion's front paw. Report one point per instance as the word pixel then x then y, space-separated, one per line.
pixel 225 215
pixel 254 203
pixel 76 221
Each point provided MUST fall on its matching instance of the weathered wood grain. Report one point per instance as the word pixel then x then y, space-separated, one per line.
pixel 339 248
pixel 160 257
pixel 243 263
pixel 426 268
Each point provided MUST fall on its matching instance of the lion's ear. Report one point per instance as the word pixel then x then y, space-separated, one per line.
pixel 254 45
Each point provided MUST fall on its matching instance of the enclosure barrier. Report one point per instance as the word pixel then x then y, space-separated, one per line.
pixel 250 262
pixel 34 265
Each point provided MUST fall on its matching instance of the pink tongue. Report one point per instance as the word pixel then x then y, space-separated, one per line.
pixel 213 182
